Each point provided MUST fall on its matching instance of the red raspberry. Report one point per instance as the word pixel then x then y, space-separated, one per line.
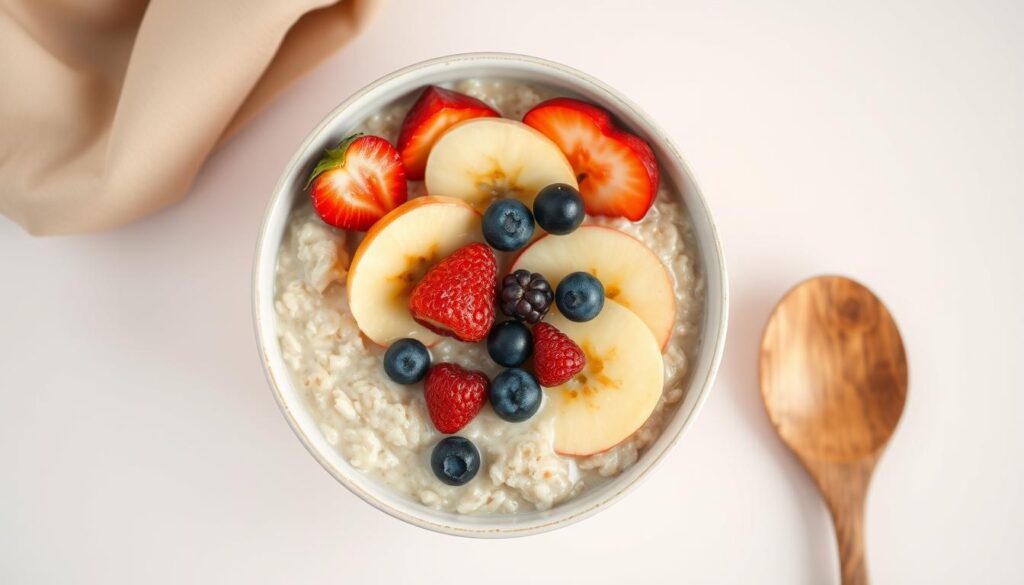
pixel 556 358
pixel 454 396
pixel 456 297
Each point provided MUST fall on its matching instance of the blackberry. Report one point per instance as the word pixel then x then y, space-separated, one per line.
pixel 526 296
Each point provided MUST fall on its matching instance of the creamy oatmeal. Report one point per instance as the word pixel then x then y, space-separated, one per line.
pixel 383 428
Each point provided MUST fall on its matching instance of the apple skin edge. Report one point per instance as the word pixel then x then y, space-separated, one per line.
pixel 663 337
pixel 374 232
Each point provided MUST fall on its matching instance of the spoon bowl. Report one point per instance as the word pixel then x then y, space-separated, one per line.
pixel 833 377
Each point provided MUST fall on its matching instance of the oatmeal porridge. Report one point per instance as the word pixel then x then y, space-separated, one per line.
pixel 385 429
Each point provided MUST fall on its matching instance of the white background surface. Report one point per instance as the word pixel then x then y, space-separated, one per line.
pixel 139 442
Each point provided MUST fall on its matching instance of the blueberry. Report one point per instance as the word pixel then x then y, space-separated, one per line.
pixel 406 361
pixel 515 395
pixel 510 343
pixel 455 460
pixel 559 209
pixel 508 225
pixel 580 296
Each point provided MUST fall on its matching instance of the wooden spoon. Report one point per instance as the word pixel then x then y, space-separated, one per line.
pixel 834 381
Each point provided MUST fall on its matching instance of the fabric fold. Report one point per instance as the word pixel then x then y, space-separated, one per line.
pixel 109 108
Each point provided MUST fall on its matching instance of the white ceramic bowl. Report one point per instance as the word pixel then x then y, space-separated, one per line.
pixel 339 123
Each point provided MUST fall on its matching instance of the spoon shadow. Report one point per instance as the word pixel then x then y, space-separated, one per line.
pixel 749 312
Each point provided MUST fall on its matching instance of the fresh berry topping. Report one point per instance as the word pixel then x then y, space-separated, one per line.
pixel 616 171
pixel 556 358
pixel 510 343
pixel 559 209
pixel 631 273
pixel 456 296
pixel 454 396
pixel 435 111
pixel 515 395
pixel 406 361
pixel 507 225
pixel 525 296
pixel 484 159
pixel 580 296
pixel 455 460
pixel 358 182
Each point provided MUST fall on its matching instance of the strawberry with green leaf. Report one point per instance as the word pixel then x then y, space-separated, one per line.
pixel 358 182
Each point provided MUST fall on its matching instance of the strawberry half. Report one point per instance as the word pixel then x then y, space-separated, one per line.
pixel 358 182
pixel 456 297
pixel 617 171
pixel 436 110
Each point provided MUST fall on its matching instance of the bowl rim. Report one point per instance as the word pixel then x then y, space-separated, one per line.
pixel 712 340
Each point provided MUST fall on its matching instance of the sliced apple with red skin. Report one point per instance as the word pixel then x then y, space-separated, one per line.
pixel 618 387
pixel 484 159
pixel 630 272
pixel 396 252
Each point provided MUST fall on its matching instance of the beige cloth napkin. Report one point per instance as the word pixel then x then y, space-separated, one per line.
pixel 109 107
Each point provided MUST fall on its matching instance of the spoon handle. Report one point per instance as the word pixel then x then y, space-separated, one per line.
pixel 844 486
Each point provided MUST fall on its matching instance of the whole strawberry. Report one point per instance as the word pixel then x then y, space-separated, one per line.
pixel 456 297
pixel 556 358
pixel 454 396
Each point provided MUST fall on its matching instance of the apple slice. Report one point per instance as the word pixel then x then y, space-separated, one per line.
pixel 483 159
pixel 617 389
pixel 631 273
pixel 396 252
